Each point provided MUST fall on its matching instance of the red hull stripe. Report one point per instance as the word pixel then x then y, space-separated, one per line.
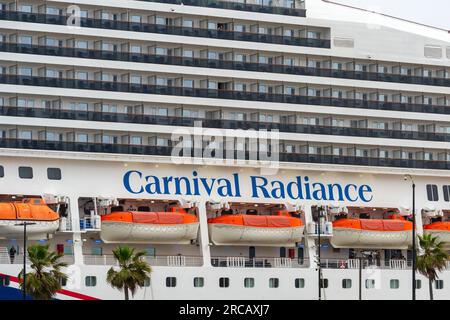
pixel 62 291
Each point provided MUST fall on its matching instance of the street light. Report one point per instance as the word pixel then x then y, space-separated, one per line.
pixel 409 177
pixel 25 224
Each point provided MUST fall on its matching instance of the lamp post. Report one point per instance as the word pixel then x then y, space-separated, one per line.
pixel 25 224
pixel 409 177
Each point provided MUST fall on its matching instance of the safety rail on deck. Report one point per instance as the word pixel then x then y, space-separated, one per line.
pixel 394 264
pixel 89 224
pixel 247 262
pixel 162 261
pixel 18 259
pixel 326 229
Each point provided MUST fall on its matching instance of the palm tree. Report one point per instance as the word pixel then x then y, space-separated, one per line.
pixel 133 273
pixel 45 280
pixel 432 260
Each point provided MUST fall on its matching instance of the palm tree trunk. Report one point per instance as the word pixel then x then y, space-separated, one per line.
pixel 125 289
pixel 430 286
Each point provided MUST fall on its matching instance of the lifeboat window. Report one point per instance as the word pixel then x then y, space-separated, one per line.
pixel 2 172
pixel 439 284
pixel 446 190
pixel 249 282
pixel 274 283
pixel 394 284
pixel 171 282
pixel 26 172
pixel 324 283
pixel 54 173
pixel 346 283
pixel 432 192
pixel 90 281
pixel 370 283
pixel 418 284
pixel 199 282
pixel 224 282
pixel 299 283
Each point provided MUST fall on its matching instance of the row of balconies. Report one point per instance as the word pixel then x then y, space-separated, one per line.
pixel 204 27
pixel 220 89
pixel 234 60
pixel 256 121
pixel 160 145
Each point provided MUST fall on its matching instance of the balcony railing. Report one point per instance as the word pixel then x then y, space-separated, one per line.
pixel 259 262
pixel 218 94
pixel 163 261
pixel 219 64
pixel 242 5
pixel 165 29
pixel 18 259
pixel 167 151
pixel 219 123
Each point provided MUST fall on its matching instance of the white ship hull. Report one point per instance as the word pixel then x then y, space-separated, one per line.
pixel 226 234
pixel 355 238
pixel 118 232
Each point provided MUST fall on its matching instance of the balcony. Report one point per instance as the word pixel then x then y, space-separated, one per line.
pixel 166 29
pixel 160 261
pixel 259 262
pixel 238 5
pixel 219 94
pixel 166 151
pixel 219 64
pixel 220 123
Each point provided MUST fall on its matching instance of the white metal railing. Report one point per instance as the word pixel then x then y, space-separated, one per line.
pixel 283 262
pixel 92 223
pixel 65 224
pixel 259 262
pixel 326 228
pixel 397 264
pixel 353 263
pixel 163 261
pixel 236 262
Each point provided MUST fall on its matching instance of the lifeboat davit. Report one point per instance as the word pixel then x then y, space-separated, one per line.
pixel 439 229
pixel 42 219
pixel 263 230
pixel 176 226
pixel 392 233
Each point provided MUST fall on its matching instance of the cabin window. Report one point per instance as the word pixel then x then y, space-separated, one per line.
pixel 249 282
pixel 171 282
pixel 90 281
pixel 147 282
pixel 299 283
pixel 418 284
pixel 346 283
pixel 199 282
pixel 439 284
pixel 446 190
pixel 324 283
pixel 54 173
pixel 224 282
pixel 26 172
pixel 2 172
pixel 432 192
pixel 274 283
pixel 370 283
pixel 4 281
pixel 282 252
pixel 394 284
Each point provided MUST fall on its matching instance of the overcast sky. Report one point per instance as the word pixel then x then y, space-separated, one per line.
pixel 431 12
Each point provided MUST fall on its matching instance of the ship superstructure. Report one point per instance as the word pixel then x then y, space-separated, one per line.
pixel 94 93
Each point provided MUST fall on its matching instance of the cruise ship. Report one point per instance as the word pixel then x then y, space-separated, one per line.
pixel 255 149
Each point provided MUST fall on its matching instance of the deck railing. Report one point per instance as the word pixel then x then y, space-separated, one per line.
pixel 163 261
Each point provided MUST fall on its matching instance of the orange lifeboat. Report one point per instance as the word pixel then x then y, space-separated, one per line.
pixel 44 220
pixel 175 226
pixel 392 233
pixel 277 230
pixel 440 229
